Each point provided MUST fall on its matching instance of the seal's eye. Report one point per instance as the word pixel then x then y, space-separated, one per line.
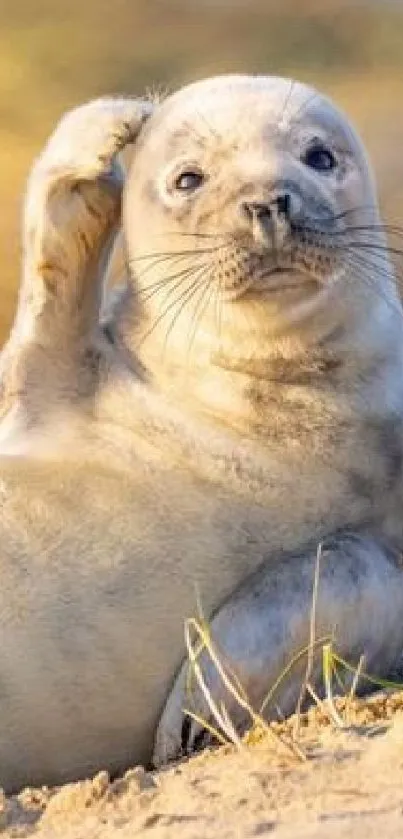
pixel 320 158
pixel 188 181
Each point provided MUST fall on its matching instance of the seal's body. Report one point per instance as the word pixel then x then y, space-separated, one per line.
pixel 239 401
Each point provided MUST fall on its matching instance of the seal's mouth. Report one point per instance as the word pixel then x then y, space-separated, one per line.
pixel 278 281
pixel 298 265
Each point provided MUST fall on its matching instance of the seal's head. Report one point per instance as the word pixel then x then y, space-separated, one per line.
pixel 249 212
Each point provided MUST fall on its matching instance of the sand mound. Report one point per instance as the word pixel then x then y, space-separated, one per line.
pixel 351 784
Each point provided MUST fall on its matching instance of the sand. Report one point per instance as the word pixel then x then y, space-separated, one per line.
pixel 349 785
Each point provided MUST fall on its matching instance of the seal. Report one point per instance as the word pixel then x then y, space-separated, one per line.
pixel 196 433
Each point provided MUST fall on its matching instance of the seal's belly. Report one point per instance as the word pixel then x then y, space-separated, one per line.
pixel 170 532
pixel 99 569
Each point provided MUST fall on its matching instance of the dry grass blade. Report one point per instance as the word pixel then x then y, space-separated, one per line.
pixel 328 669
pixel 357 674
pixel 220 713
pixel 220 718
pixel 373 680
pixel 205 724
pixel 311 643
pixel 287 669
pixel 353 689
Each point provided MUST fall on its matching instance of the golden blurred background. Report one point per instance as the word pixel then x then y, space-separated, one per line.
pixel 55 54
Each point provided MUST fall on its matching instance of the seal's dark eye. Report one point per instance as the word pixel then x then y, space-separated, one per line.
pixel 188 181
pixel 320 158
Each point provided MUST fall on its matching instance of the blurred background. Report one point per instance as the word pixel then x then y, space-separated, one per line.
pixel 55 54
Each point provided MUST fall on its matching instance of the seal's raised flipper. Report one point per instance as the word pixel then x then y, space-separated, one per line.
pixel 71 212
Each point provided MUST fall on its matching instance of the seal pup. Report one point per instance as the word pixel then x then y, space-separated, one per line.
pixel 238 402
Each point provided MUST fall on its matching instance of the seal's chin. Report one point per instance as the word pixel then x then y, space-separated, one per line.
pixel 278 282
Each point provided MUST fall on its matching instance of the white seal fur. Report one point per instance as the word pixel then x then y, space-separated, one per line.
pixel 237 402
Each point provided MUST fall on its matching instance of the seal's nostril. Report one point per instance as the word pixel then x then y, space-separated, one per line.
pixel 283 203
pixel 279 205
pixel 256 209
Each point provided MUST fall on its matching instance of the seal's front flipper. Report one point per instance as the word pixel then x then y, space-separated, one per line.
pixel 263 627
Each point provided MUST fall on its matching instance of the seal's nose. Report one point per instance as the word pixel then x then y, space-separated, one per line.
pixel 269 221
pixel 279 206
